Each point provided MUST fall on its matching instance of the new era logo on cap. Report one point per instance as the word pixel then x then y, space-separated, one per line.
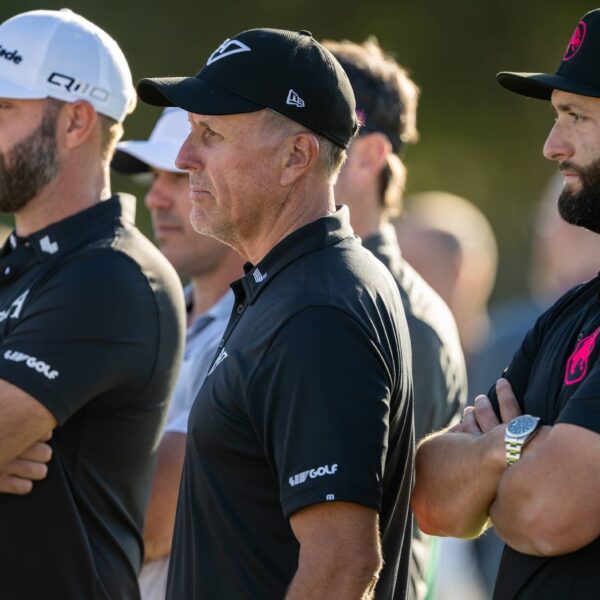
pixel 227 48
pixel 294 99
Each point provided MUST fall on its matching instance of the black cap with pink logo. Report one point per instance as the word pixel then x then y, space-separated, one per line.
pixel 578 73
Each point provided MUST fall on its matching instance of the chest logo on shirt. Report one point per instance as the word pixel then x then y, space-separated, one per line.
pixel 222 356
pixel 578 363
pixel 15 308
pixel 47 246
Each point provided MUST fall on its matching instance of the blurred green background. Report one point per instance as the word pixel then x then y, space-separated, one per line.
pixel 477 140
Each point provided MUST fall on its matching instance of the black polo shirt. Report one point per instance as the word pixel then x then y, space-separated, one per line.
pixel 309 400
pixel 91 325
pixel 555 375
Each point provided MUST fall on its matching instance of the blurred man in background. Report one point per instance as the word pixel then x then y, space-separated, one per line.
pixel 371 183
pixel 451 244
pixel 91 319
pixel 210 267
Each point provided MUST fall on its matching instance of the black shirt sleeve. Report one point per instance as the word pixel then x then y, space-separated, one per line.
pixel 319 402
pixel 90 327
pixel 519 369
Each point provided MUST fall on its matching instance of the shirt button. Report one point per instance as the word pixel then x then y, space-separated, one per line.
pixel 221 343
pixel 240 309
pixel 7 271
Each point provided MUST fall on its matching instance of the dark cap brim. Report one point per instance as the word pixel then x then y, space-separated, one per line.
pixel 541 85
pixel 124 163
pixel 193 94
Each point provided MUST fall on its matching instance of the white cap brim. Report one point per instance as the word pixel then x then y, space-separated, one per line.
pixel 17 92
pixel 157 155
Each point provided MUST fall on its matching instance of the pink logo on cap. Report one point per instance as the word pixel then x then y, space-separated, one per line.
pixel 578 363
pixel 575 41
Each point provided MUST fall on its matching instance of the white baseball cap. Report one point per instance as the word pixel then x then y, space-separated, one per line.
pixel 160 150
pixel 59 54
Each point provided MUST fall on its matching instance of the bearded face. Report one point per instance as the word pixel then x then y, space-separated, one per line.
pixel 30 164
pixel 582 207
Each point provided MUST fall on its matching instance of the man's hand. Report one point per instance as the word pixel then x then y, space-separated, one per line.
pixel 18 475
pixel 481 417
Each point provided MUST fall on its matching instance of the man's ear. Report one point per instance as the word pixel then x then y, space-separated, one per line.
pixel 76 123
pixel 301 153
pixel 370 154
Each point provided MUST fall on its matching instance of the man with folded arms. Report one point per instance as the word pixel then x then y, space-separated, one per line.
pixel 528 456
pixel 91 320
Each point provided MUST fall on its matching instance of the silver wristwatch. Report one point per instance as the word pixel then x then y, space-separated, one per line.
pixel 518 432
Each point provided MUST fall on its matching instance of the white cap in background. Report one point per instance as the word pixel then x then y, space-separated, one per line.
pixel 160 150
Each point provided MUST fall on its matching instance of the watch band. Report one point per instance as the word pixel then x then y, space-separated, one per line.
pixel 513 450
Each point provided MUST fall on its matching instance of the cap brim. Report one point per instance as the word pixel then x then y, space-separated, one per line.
pixel 17 92
pixel 541 85
pixel 193 94
pixel 139 157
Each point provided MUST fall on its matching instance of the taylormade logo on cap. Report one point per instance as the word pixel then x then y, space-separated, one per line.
pixel 10 55
pixel 64 56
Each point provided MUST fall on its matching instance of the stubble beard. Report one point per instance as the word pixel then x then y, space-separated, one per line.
pixel 29 165
pixel 582 208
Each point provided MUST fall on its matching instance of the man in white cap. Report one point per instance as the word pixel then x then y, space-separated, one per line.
pixel 91 320
pixel 210 267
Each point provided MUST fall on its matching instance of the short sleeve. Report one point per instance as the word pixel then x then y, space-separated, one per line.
pixel 90 327
pixel 519 368
pixel 320 403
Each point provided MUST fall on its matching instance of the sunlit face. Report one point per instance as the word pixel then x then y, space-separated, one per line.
pixel 574 142
pixel 28 153
pixel 168 201
pixel 234 162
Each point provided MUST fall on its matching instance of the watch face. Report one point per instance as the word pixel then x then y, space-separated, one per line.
pixel 522 426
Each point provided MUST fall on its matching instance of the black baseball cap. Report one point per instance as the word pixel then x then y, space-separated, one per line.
pixel 286 71
pixel 578 72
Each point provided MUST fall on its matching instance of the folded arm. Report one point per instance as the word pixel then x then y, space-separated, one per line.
pixel 458 470
pixel 547 504
pixel 23 421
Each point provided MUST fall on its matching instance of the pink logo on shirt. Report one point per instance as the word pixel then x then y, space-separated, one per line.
pixel 575 41
pixel 578 363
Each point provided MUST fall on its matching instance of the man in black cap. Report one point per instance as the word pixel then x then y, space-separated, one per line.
pixel 371 183
pixel 300 443
pixel 542 419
